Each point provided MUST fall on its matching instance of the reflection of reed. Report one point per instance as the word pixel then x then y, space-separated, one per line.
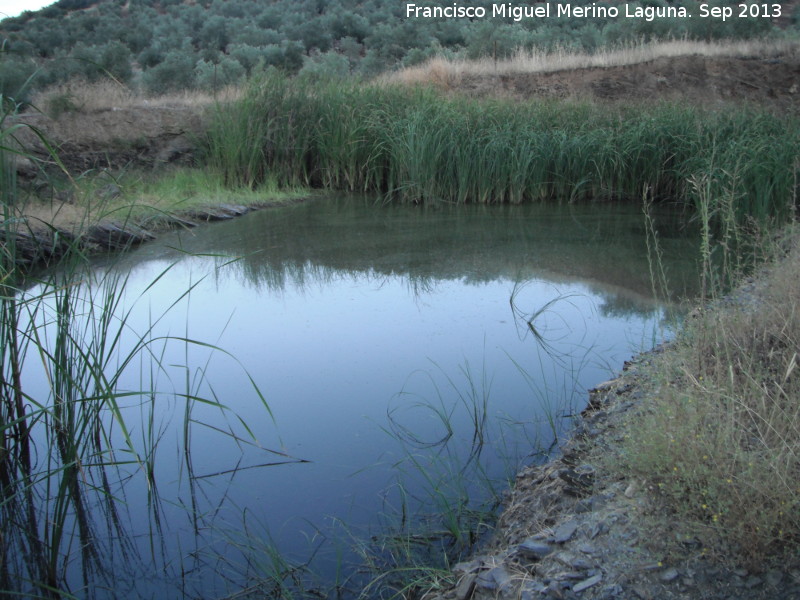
pixel 352 237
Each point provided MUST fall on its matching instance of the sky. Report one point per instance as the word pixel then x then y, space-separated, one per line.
pixel 11 8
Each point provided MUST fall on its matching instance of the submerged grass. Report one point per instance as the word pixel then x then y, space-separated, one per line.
pixel 417 145
pixel 455 463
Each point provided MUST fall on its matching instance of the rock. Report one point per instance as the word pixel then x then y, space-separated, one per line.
pixel 578 483
pixel 569 575
pixel 113 237
pixel 555 589
pixel 752 582
pixel 465 586
pixel 177 150
pixel 220 212
pixel 598 529
pixel 565 558
pixel 501 577
pixel 532 589
pixel 587 548
pixel 109 192
pixel 24 166
pixel 66 196
pixel 669 575
pixel 611 592
pixel 774 577
pixel 467 567
pixel 535 549
pixel 485 581
pixel 587 583
pixel 631 490
pixel 581 563
pixel 565 531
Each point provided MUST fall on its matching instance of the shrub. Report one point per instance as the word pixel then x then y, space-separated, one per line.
pixel 720 440
pixel 215 76
pixel 176 72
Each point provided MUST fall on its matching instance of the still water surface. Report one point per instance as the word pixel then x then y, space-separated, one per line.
pixel 362 324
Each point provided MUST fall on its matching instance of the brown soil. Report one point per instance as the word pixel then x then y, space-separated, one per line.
pixel 115 138
pixel 768 82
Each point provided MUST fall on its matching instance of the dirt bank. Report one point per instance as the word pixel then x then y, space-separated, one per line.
pixel 115 138
pixel 772 82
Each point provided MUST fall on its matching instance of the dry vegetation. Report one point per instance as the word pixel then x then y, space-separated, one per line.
pixel 447 73
pixel 78 95
pixel 721 439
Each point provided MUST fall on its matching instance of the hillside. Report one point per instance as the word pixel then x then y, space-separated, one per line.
pixel 103 130
pixel 767 76
pixel 160 46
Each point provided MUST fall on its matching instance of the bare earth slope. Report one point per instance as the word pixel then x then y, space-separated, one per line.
pixel 772 82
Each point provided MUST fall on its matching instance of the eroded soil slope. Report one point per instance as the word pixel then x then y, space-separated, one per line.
pixel 773 82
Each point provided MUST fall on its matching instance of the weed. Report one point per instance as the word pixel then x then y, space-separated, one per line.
pixel 720 438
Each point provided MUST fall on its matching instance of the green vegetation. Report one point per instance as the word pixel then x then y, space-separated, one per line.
pixel 427 531
pixel 420 146
pixel 719 437
pixel 74 438
pixel 156 202
pixel 167 45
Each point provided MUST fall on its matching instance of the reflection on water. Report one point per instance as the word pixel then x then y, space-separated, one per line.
pixel 358 321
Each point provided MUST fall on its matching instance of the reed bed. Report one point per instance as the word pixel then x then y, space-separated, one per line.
pixel 415 145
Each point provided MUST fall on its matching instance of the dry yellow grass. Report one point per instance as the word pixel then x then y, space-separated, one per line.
pixel 721 439
pixel 447 73
pixel 80 96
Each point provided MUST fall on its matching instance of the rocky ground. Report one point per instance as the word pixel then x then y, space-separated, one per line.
pixel 571 530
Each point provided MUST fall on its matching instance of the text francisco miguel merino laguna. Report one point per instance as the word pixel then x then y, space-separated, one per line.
pixel 546 9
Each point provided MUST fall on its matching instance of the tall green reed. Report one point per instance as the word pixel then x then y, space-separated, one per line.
pixel 417 145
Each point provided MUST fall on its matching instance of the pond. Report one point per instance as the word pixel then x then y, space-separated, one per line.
pixel 322 373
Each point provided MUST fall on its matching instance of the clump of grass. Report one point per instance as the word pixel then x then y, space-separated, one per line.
pixel 445 499
pixel 721 438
